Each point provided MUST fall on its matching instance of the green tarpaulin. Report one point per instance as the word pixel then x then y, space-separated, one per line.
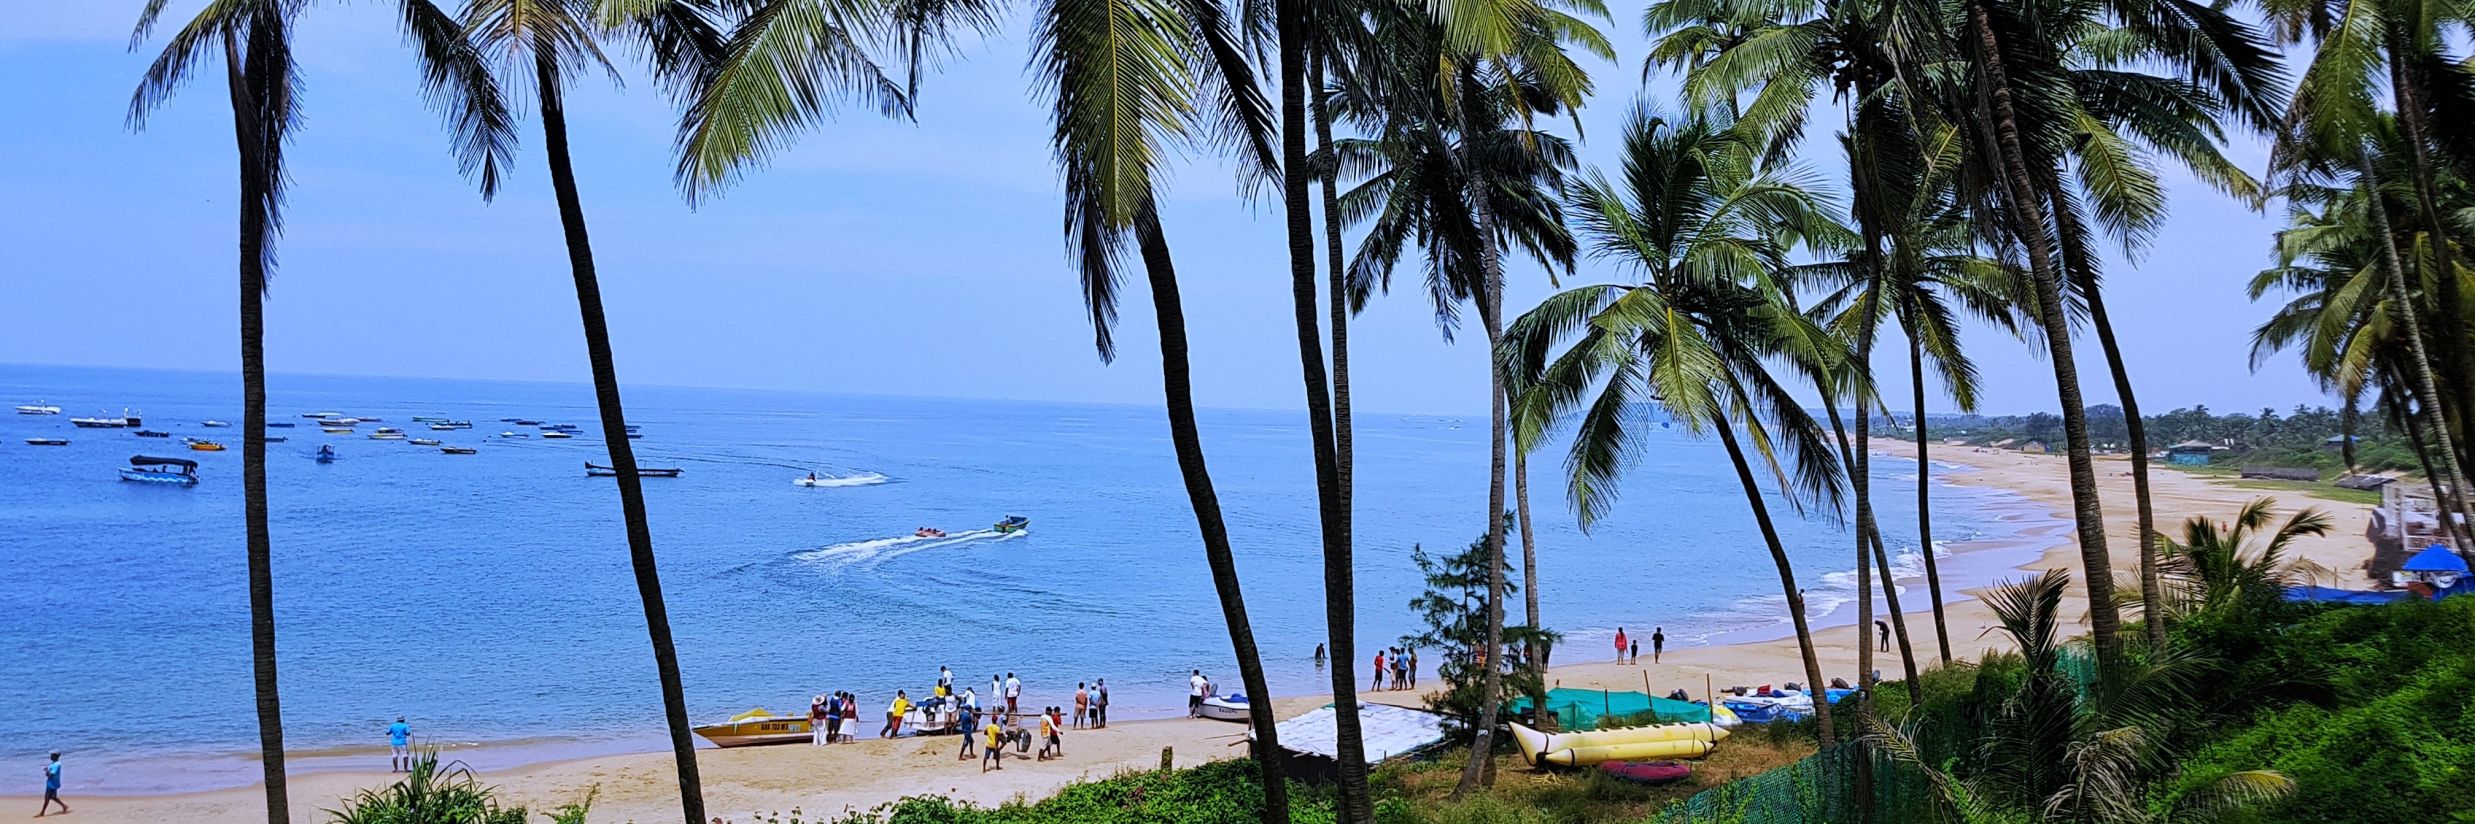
pixel 1579 709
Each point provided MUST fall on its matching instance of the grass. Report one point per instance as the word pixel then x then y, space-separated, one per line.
pixel 2324 490
pixel 1420 792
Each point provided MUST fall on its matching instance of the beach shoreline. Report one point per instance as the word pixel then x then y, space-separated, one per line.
pixel 740 783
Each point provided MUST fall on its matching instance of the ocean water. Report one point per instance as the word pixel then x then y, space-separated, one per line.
pixel 489 598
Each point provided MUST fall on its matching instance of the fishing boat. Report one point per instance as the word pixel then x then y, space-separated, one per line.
pixel 205 446
pixel 38 408
pixel 337 430
pixel 512 434
pixel 423 442
pixel 279 424
pixel 553 433
pixel 1012 524
pixel 213 423
pixel 318 415
pixel 276 439
pixel 149 433
pixel 387 433
pixel 458 450
pixel 326 454
pixel 525 422
pixel 125 421
pixel 756 727
pixel 153 470
pixel 600 471
pixel 428 418
pixel 47 442
pixel 1231 707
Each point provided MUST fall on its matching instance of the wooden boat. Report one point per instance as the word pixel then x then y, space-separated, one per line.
pixel 38 408
pixel 149 433
pixel 757 727
pixel 1013 523
pixel 600 471
pixel 205 446
pixel 458 450
pixel 47 442
pixel 1652 773
pixel 337 430
pixel 153 470
pixel 1231 707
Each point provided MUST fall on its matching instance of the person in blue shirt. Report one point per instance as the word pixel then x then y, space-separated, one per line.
pixel 399 745
pixel 51 787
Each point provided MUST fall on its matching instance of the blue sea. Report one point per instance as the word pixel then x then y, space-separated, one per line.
pixel 489 599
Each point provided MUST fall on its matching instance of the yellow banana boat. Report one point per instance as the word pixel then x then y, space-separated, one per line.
pixel 1644 751
pixel 1538 746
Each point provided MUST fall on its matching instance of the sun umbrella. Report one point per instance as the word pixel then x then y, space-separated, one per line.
pixel 2435 558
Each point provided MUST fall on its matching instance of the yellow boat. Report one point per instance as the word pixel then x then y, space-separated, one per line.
pixel 755 727
pixel 1540 747
pixel 1644 751
pixel 206 446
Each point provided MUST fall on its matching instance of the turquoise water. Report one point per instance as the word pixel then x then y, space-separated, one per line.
pixel 488 597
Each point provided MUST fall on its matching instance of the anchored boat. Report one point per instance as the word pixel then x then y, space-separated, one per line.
pixel 600 471
pixel 152 470
pixel 38 408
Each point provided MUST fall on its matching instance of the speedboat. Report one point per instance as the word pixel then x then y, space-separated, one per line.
pixel 326 454
pixel 554 433
pixel 126 420
pixel 1231 707
pixel 928 532
pixel 149 433
pixel 458 450
pixel 47 442
pixel 1013 523
pixel 205 446
pixel 423 442
pixel 38 408
pixel 153 470
pixel 600 471
pixel 756 727
pixel 213 423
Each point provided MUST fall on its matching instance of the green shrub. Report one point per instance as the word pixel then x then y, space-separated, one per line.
pixel 1219 792
pixel 430 794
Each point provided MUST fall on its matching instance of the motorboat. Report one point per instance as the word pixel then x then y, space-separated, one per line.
pixel 47 442
pixel 440 427
pixel 429 418
pixel 509 420
pixel 321 415
pixel 525 422
pixel 205 446
pixel 125 421
pixel 513 434
pixel 387 433
pixel 1012 524
pixel 279 424
pixel 149 433
pixel 423 442
pixel 600 471
pixel 214 423
pixel 458 450
pixel 554 433
pixel 38 408
pixel 756 727
pixel 337 430
pixel 1231 707
pixel 459 424
pixel 326 454
pixel 153 470
pixel 928 532
pixel 338 420
pixel 276 439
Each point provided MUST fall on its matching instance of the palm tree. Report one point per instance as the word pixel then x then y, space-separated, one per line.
pixel 2216 567
pixel 1696 336
pixel 2053 752
pixel 262 83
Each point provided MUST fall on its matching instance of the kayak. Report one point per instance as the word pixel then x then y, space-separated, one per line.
pixel 1648 772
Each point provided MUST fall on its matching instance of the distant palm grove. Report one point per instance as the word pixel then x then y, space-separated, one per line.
pixel 1995 154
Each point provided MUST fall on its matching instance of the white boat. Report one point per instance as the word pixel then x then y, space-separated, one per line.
pixel 47 442
pixel 387 433
pixel 1231 707
pixel 423 442
pixel 553 433
pixel 458 450
pixel 125 421
pixel 38 408
pixel 512 434
pixel 213 423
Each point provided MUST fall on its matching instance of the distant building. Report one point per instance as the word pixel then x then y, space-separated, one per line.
pixel 2336 443
pixel 2189 453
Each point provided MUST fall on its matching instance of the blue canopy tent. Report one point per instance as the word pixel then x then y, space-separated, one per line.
pixel 2437 566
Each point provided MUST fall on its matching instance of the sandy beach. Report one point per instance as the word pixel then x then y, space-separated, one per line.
pixel 744 784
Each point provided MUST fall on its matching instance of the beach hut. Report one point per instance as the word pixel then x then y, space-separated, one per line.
pixel 2190 453
pixel 1311 742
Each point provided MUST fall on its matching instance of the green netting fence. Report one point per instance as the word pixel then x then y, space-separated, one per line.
pixel 1580 709
pixel 1820 789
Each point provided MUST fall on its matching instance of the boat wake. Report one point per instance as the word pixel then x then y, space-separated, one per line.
pixel 839 481
pixel 874 551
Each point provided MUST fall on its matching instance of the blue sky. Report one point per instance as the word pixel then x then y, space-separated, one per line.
pixel 875 257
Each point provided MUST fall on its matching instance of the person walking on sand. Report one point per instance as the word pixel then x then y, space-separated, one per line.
pixel 1100 703
pixel 1013 693
pixel 1658 643
pixel 1379 670
pixel 51 788
pixel 1048 736
pixel 1622 641
pixel 893 715
pixel 1195 687
pixel 399 746
pixel 992 746
pixel 1082 704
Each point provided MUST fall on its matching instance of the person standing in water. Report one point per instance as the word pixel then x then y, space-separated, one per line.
pixel 1658 643
pixel 51 788
pixel 1621 641
pixel 399 746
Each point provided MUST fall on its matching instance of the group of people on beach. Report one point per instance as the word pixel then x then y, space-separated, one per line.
pixel 1628 648
pixel 1400 664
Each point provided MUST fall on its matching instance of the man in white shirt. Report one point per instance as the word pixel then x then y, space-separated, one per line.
pixel 1013 693
pixel 1196 685
pixel 945 681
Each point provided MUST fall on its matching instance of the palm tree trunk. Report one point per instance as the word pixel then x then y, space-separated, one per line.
pixel 614 435
pixel 1881 561
pixel 2152 589
pixel 1339 585
pixel 1342 432
pixel 2350 420
pixel 2449 323
pixel 248 132
pixel 2034 230
pixel 1787 574
pixel 1491 313
pixel 1529 553
pixel 1177 388
pixel 1924 498
pixel 2426 389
